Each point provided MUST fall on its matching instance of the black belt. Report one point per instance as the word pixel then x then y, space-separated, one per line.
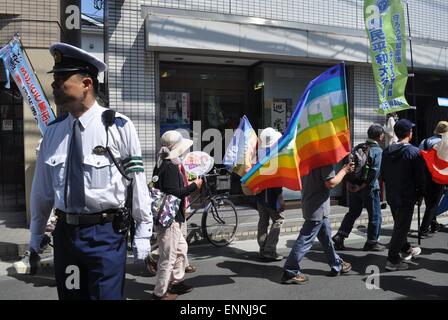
pixel 86 219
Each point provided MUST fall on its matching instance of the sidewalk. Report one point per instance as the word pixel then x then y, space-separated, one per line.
pixel 248 220
pixel 14 237
pixel 14 234
pixel 237 273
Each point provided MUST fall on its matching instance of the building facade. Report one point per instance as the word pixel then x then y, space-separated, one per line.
pixel 37 22
pixel 92 37
pixel 173 62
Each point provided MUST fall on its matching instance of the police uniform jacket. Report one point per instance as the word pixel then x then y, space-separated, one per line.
pixel 104 186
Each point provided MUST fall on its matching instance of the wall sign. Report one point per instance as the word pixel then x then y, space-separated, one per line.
pixel 7 125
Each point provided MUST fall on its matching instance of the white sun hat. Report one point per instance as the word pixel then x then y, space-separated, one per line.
pixel 177 144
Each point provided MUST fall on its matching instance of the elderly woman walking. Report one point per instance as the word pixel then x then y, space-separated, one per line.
pixel 172 179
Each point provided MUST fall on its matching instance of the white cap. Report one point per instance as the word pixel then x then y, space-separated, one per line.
pixel 70 58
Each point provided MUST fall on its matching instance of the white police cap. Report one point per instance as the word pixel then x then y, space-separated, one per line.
pixel 69 58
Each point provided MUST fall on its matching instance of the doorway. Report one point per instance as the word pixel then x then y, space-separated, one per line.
pixel 12 177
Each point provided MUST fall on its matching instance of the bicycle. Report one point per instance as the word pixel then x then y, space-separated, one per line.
pixel 219 222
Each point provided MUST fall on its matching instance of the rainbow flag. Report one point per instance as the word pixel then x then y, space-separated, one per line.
pixel 317 135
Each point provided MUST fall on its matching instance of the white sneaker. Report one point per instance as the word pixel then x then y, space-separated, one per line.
pixel 412 252
pixel 28 264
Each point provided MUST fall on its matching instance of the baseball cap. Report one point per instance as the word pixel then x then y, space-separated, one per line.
pixel 402 127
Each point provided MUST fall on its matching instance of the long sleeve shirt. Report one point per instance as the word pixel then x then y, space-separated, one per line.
pixel 171 182
pixel 104 186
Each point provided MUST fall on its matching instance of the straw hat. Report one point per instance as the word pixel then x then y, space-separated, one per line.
pixel 441 127
pixel 174 141
pixel 268 137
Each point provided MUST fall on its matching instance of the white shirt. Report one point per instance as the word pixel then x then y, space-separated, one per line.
pixel 390 136
pixel 104 186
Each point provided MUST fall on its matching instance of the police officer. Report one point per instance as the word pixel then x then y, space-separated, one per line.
pixel 77 176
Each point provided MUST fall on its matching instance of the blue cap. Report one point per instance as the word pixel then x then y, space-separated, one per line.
pixel 68 58
pixel 402 127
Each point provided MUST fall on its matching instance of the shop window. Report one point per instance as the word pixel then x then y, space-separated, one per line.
pixel 12 180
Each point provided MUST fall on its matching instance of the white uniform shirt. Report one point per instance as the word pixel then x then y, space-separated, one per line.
pixel 104 186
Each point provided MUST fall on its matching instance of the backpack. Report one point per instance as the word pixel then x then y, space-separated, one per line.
pixel 363 162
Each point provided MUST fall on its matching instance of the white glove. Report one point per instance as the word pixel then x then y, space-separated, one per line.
pixel 141 246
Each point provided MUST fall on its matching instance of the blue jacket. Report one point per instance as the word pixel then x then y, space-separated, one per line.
pixel 376 155
pixel 402 170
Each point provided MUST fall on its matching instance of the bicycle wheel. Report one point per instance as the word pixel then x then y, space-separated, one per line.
pixel 220 222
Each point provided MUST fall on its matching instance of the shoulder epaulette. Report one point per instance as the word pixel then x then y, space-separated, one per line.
pixel 59 119
pixel 120 122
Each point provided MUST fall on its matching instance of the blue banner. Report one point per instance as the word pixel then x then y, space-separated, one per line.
pixel 17 64
pixel 241 153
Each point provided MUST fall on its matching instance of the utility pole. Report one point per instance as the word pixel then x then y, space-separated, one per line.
pixel 70 13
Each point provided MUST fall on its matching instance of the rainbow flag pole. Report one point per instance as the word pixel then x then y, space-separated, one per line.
pixel 317 135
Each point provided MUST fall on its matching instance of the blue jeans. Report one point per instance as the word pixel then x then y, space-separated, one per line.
pixel 309 231
pixel 369 199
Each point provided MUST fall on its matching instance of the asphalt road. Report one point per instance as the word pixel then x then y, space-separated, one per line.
pixel 236 272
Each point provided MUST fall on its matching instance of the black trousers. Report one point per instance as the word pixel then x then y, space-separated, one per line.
pixel 402 223
pixel 432 197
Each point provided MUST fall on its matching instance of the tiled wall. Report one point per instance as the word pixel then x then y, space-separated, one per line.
pixel 132 74
pixel 428 18
pixel 36 21
pixel 365 103
pixel 132 69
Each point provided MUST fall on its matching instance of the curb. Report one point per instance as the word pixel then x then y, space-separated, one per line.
pixel 46 264
pixel 293 226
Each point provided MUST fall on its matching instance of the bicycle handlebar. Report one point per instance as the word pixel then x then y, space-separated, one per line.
pixel 213 173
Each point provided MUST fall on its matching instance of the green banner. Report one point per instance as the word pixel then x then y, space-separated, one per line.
pixel 385 27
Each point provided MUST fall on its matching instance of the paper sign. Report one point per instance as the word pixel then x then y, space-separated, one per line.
pixel 7 125
pixel 198 163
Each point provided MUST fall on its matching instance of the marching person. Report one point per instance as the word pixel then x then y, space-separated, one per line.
pixel 365 195
pixel 270 205
pixel 402 171
pixel 173 247
pixel 152 259
pixel 433 191
pixel 316 212
pixel 77 176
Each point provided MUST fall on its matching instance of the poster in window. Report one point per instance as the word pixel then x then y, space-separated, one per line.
pixel 280 114
pixel 175 111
